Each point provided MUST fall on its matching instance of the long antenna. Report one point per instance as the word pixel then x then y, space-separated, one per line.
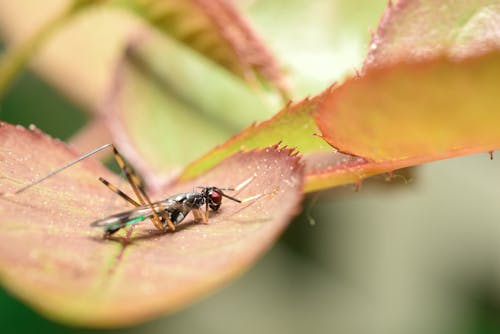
pixel 230 197
pixel 60 169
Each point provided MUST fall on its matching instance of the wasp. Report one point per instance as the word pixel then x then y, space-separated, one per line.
pixel 165 214
pixel 173 209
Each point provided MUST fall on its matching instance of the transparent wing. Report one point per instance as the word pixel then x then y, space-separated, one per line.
pixel 123 219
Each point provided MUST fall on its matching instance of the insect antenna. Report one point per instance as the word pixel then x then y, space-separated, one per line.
pixel 220 191
pixel 60 169
pixel 239 187
pixel 230 197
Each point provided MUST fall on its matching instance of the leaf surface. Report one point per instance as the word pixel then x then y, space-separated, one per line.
pixel 414 32
pixel 54 261
pixel 206 107
pixel 408 31
pixel 215 29
pixel 420 30
pixel 163 114
pixel 411 113
pixel 293 126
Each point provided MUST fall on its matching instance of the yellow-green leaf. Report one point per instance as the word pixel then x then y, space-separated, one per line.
pixel 163 114
pixel 292 126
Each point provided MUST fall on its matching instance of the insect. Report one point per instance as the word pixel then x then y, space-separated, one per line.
pixel 173 209
pixel 165 214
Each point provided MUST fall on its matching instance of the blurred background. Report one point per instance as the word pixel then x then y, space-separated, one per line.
pixel 420 254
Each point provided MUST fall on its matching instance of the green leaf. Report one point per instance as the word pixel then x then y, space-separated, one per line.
pixel 53 260
pixel 397 37
pixel 211 102
pixel 164 114
pixel 292 126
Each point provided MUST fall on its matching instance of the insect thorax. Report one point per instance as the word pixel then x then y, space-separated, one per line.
pixel 180 205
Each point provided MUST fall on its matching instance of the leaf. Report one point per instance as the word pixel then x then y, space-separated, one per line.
pixel 215 29
pixel 212 111
pixel 163 116
pixel 295 127
pixel 410 113
pixel 408 30
pixel 419 30
pixel 55 262
pixel 104 31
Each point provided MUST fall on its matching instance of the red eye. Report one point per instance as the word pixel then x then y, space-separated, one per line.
pixel 215 197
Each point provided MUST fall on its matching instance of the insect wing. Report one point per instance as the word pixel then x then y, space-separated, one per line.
pixel 123 219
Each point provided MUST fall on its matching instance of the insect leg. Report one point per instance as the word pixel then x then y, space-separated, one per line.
pixel 136 185
pixel 199 215
pixel 117 191
pixel 165 217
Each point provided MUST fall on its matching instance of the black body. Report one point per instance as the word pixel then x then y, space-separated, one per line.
pixel 175 208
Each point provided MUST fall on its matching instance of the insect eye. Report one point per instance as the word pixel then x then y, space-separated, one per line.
pixel 215 197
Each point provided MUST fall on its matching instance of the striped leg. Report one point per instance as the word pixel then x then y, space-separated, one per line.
pixel 136 185
pixel 117 191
